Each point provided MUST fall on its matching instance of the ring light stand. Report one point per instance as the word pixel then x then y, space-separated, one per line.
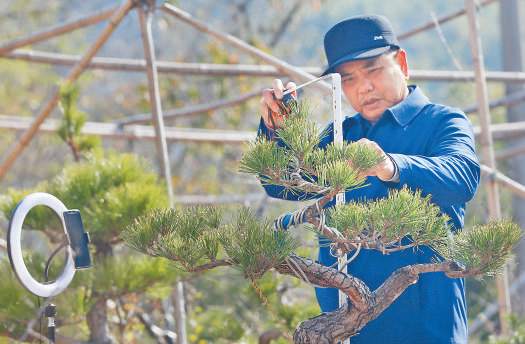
pixel 74 234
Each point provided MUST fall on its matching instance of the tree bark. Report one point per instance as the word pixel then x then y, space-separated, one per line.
pixel 323 276
pixel 364 305
pixel 269 336
pixel 97 320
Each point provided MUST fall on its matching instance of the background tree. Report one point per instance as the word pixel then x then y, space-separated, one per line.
pixel 110 189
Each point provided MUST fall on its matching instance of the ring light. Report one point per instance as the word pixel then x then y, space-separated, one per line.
pixel 14 246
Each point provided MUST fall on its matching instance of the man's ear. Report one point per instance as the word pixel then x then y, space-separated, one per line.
pixel 401 58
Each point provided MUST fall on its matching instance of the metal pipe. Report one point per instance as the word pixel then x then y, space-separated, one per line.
pixel 233 70
pixel 487 149
pixel 136 132
pixel 496 176
pixel 145 18
pixel 54 31
pixel 154 98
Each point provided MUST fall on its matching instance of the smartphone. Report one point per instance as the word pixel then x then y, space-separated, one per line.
pixel 78 239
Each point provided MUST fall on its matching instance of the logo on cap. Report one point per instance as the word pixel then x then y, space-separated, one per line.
pixel 378 37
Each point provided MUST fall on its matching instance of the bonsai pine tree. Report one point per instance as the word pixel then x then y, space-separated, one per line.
pixel 201 238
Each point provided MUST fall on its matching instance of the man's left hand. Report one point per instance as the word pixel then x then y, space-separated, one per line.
pixel 384 170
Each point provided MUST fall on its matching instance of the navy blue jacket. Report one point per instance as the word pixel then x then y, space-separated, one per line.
pixel 433 147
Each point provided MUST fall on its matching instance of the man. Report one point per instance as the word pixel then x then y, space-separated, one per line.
pixel 426 146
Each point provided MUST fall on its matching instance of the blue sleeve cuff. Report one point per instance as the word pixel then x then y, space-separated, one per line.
pixel 395 176
pixel 402 168
pixel 264 130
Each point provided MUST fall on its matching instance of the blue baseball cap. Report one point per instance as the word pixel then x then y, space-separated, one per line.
pixel 357 38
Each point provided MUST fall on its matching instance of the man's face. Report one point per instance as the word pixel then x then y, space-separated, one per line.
pixel 373 85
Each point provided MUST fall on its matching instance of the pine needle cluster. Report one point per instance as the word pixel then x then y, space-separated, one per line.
pixel 189 237
pixel 381 224
pixel 361 157
pixel 298 133
pixel 351 219
pixel 388 220
pixel 192 237
pixel 483 249
pixel 72 122
pixel 266 159
pixel 253 245
pixel 338 175
pixel 331 168
pixel 341 166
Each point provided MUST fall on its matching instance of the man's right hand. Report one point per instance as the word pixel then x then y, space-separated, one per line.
pixel 270 112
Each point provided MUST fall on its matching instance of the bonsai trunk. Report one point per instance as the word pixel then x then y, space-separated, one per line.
pixel 363 306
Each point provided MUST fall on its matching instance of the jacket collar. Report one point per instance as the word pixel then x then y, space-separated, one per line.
pixel 410 107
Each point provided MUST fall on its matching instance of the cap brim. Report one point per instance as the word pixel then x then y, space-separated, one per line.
pixel 360 55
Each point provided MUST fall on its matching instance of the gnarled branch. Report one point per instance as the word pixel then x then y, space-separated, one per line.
pixel 364 306
pixel 359 294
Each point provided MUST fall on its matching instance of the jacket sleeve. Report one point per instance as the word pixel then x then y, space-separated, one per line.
pixel 278 191
pixel 450 171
